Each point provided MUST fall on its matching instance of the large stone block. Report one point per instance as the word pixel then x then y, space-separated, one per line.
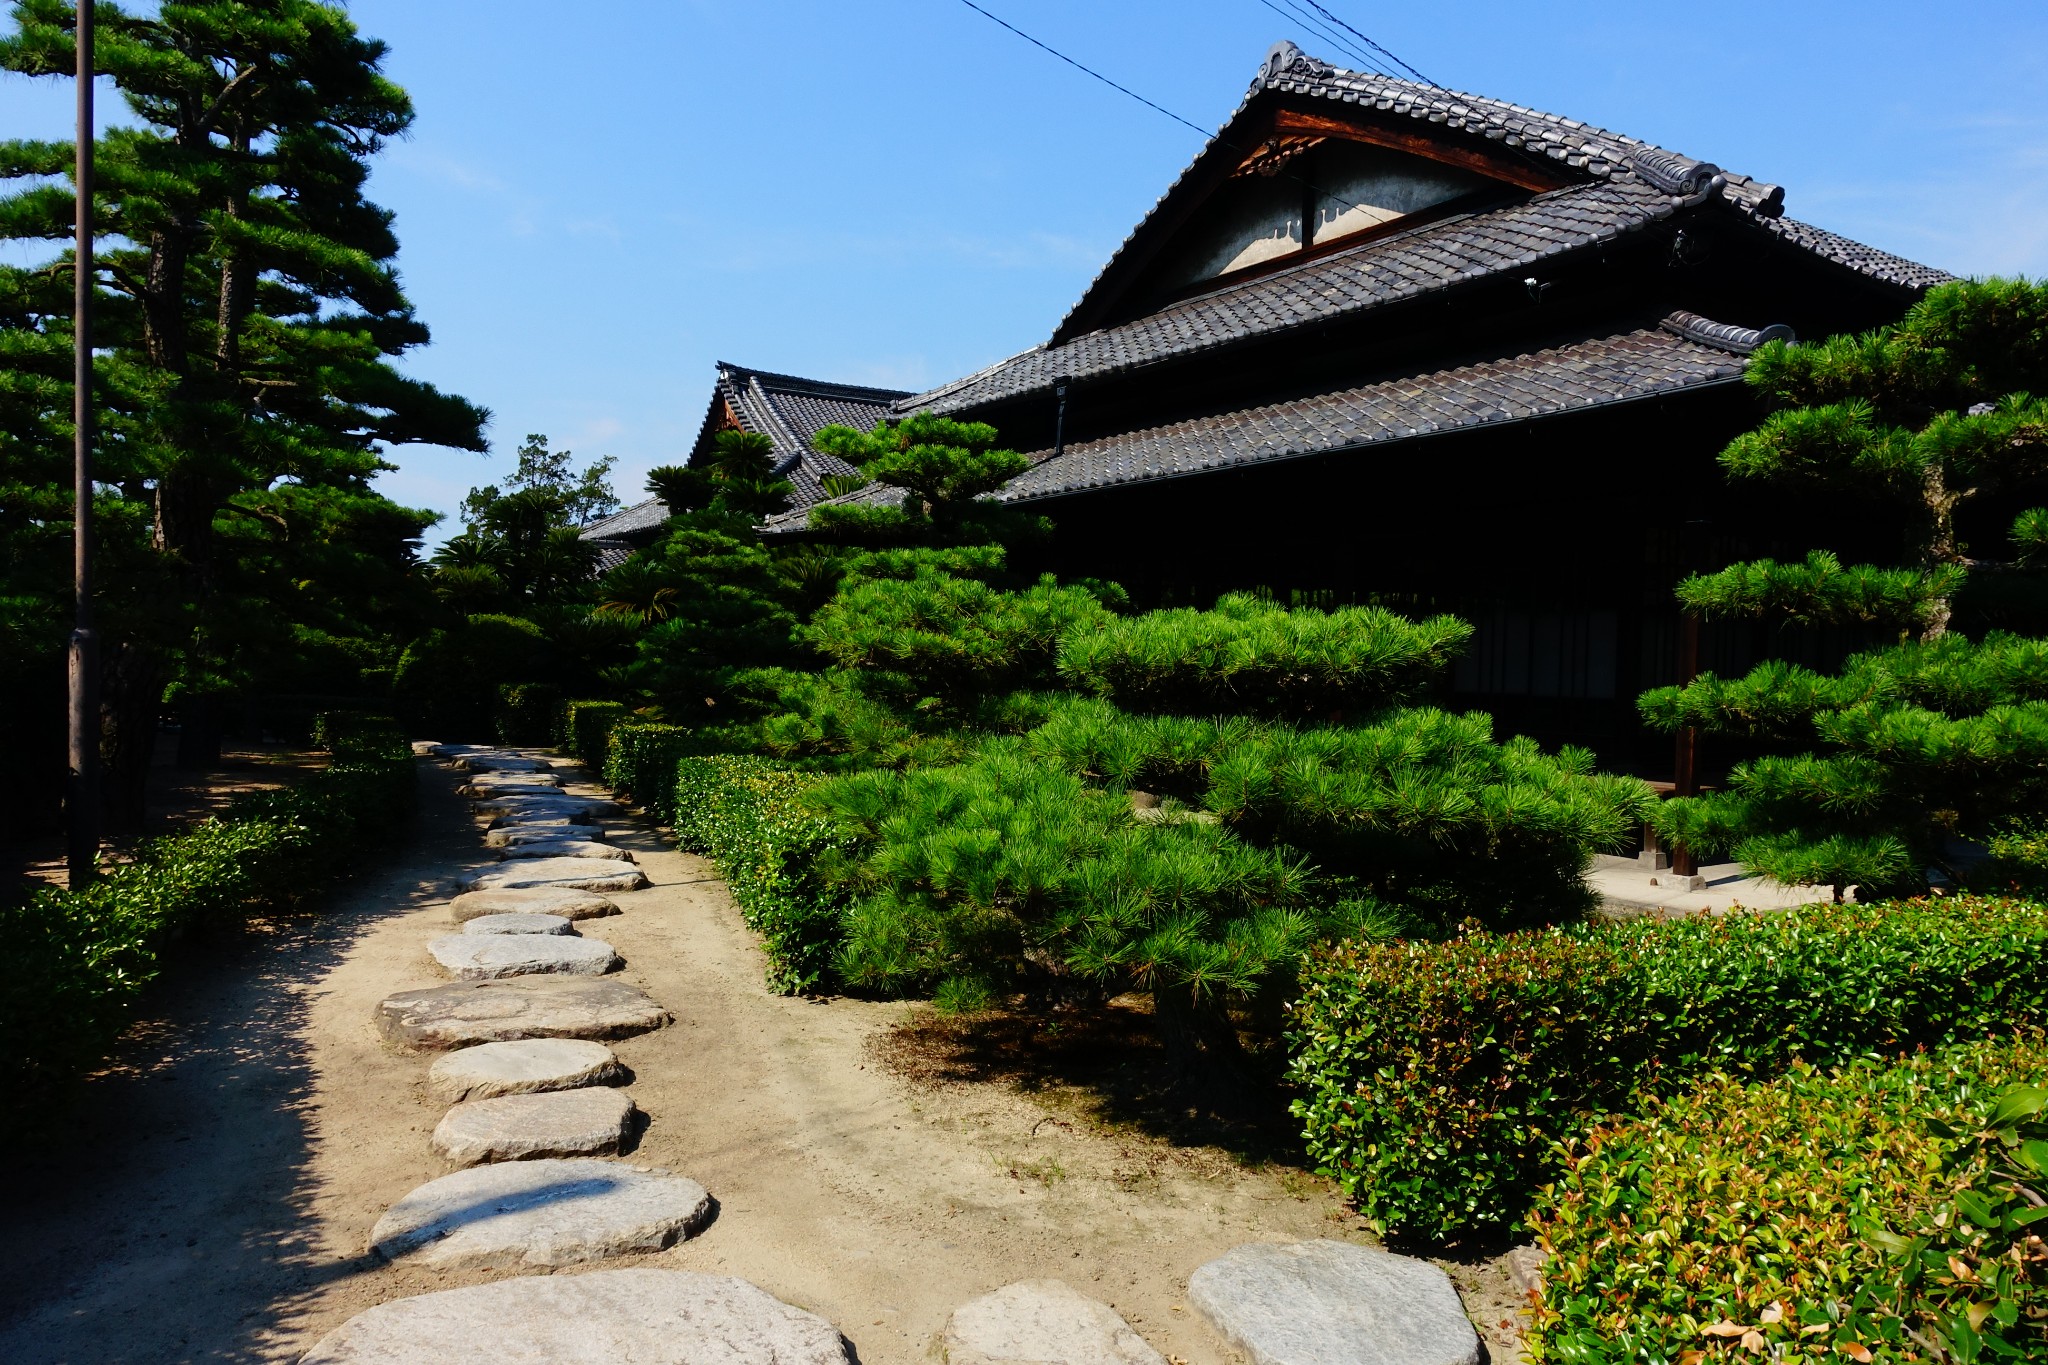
pixel 1332 1303
pixel 566 901
pixel 603 1317
pixel 584 1122
pixel 487 957
pixel 588 874
pixel 523 1066
pixel 1043 1322
pixel 464 1013
pixel 536 1214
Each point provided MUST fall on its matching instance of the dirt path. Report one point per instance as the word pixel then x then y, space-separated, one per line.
pixel 217 1204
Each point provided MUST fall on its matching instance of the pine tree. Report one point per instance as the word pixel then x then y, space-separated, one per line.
pixel 1886 769
pixel 248 310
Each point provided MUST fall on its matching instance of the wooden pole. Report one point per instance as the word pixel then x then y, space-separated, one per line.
pixel 82 796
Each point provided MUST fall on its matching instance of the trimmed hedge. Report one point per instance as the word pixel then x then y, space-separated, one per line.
pixel 749 816
pixel 1879 1212
pixel 1436 1077
pixel 526 713
pixel 585 727
pixel 77 961
pixel 640 761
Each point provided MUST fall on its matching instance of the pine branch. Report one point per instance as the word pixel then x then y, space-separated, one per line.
pixel 1823 592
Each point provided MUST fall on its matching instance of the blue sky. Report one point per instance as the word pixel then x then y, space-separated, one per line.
pixel 600 200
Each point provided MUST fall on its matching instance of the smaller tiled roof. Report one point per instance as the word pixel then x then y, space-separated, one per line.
pixel 1686 353
pixel 789 411
pixel 638 519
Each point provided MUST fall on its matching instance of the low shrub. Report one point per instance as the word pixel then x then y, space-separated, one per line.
pixel 1437 1077
pixel 1879 1212
pixel 585 726
pixel 77 961
pixel 749 816
pixel 2019 861
pixel 526 713
pixel 640 761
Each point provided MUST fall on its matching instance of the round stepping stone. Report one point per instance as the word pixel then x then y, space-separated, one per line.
pixel 509 836
pixel 486 957
pixel 457 750
pixel 589 874
pixel 1332 1303
pixel 541 801
pixel 567 902
pixel 583 1122
pixel 552 1212
pixel 500 784
pixel 566 848
pixel 463 1013
pixel 574 823
pixel 1043 1322
pixel 602 1317
pixel 522 1067
pixel 517 923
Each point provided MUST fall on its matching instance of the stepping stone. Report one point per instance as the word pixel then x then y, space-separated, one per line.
pixel 552 1212
pixel 519 923
pixel 463 1013
pixel 511 836
pixel 1332 1303
pixel 457 750
pixel 588 874
pixel 501 763
pixel 523 1067
pixel 603 1317
pixel 545 801
pixel 486 957
pixel 565 826
pixel 1043 1322
pixel 565 901
pixel 586 1122
pixel 566 848
pixel 499 784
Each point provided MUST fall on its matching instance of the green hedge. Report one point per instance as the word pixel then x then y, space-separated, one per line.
pixel 1879 1212
pixel 1437 1076
pixel 526 713
pixel 584 727
pixel 78 960
pixel 749 817
pixel 641 762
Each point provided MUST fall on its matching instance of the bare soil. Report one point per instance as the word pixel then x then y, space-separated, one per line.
pixel 214 1192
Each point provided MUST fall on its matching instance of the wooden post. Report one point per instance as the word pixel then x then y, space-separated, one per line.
pixel 82 790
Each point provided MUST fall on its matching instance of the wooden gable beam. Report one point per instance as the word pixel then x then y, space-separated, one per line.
pixel 1522 172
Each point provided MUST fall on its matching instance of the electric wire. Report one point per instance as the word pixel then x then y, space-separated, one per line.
pixel 1295 14
pixel 1371 44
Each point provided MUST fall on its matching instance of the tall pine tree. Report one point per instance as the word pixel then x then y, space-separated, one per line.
pixel 248 315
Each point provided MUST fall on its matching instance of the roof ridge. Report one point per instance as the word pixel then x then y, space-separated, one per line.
pixel 797 383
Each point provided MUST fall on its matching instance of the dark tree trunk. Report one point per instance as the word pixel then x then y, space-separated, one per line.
pixel 131 696
pixel 1209 1066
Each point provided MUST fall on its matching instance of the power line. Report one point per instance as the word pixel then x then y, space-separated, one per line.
pixel 1089 70
pixel 1296 14
pixel 1371 44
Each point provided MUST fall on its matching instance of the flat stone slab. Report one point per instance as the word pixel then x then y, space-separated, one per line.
pixel 500 784
pixel 522 1067
pixel 464 1013
pixel 552 1212
pixel 602 1317
pixel 1332 1303
pixel 1043 1322
pixel 589 874
pixel 555 830
pixel 457 750
pixel 486 957
pixel 566 848
pixel 501 763
pixel 517 923
pixel 565 901
pixel 585 1122
pixel 545 801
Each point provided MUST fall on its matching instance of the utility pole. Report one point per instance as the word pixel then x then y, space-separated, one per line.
pixel 82 797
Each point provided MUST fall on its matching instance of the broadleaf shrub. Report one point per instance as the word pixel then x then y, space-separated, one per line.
pixel 641 762
pixel 749 816
pixel 586 726
pixel 78 961
pixel 1876 1212
pixel 1437 1077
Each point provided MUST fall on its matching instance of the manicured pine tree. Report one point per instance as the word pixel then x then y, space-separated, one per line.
pixel 249 311
pixel 1887 767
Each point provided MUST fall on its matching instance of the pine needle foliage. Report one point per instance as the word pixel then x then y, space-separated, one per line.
pixel 1251 655
pixel 1821 591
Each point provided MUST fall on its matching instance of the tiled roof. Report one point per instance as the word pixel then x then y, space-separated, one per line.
pixel 789 411
pixel 1585 375
pixel 640 517
pixel 1628 185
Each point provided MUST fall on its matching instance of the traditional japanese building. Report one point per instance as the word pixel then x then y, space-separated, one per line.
pixel 1384 341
